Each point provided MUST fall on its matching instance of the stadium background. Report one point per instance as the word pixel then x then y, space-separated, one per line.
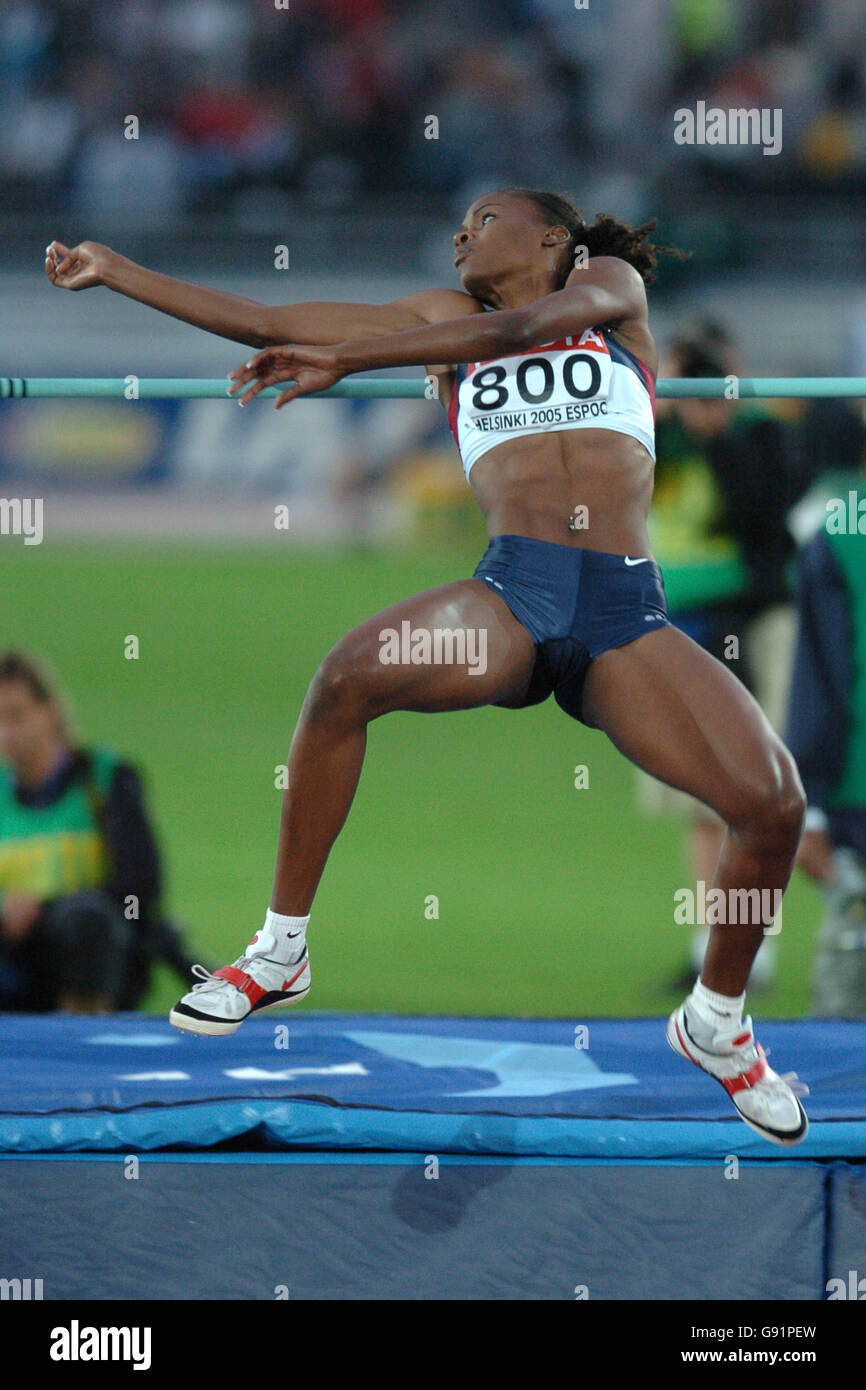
pixel 305 129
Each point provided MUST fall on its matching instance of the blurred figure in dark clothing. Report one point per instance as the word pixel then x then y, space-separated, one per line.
pixel 79 866
pixel 827 735
pixel 831 437
pixel 726 478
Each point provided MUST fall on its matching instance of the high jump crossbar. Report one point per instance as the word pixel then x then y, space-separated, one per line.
pixel 404 388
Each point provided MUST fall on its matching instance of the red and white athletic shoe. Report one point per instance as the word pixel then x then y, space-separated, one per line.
pixel 221 1002
pixel 768 1103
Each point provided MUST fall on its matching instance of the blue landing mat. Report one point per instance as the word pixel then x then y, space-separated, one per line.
pixel 383 1226
pixel 604 1088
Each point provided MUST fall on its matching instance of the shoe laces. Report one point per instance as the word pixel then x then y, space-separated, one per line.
pixel 772 1083
pixel 209 980
pixel 775 1084
pixel 789 1080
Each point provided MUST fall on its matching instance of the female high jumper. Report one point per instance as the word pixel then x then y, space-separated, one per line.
pixel 546 366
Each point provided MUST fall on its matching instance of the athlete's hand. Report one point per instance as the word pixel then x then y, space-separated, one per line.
pixel 310 368
pixel 80 268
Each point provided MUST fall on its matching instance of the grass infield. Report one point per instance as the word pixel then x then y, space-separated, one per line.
pixel 553 901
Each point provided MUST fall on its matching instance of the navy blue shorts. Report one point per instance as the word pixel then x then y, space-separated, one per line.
pixel 576 604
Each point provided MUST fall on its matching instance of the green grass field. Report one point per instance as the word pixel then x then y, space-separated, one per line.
pixel 552 901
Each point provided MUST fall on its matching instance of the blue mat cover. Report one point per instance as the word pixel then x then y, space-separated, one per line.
pixel 605 1088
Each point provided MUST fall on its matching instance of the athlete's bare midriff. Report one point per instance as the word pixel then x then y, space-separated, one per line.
pixel 587 487
pixel 534 486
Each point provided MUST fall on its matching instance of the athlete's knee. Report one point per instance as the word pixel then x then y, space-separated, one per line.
pixel 340 688
pixel 771 801
pixel 330 691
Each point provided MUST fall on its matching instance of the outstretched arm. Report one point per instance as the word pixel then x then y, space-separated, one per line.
pixel 244 320
pixel 607 292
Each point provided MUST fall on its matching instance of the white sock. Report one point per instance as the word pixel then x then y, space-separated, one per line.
pixel 717 1011
pixel 281 938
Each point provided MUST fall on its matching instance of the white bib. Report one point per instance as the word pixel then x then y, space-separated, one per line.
pixel 585 382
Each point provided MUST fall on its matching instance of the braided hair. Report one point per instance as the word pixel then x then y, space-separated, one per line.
pixel 605 237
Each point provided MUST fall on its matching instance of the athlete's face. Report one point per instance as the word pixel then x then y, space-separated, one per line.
pixel 502 235
pixel 27 726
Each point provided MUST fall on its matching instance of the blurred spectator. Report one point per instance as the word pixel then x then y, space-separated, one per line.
pixel 834 143
pixel 105 172
pixel 827 735
pixel 79 865
pixel 725 481
pixel 521 87
pixel 496 114
pixel 703 32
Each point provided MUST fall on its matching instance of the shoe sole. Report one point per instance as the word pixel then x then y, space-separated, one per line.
pixel 785 1140
pixel 215 1028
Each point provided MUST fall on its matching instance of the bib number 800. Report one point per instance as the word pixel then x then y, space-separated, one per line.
pixel 490 394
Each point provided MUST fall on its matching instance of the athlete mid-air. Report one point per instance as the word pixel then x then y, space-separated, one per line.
pixel 546 366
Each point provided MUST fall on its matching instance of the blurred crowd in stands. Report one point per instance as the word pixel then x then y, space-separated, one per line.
pixel 241 101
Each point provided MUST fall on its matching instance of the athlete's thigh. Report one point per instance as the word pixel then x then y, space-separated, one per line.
pixel 682 716
pixel 454 647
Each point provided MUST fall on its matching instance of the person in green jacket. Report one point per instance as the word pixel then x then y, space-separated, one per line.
pixel 726 477
pixel 79 864
pixel 826 732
